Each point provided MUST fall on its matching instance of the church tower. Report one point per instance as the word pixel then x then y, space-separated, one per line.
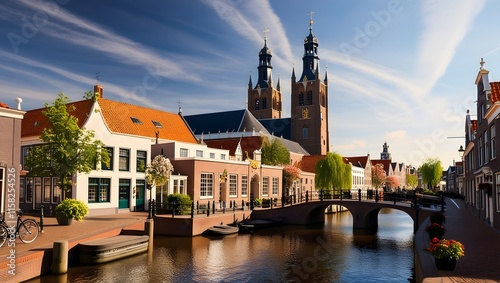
pixel 385 154
pixel 309 101
pixel 264 101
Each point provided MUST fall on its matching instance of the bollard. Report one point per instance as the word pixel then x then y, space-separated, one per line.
pixel 359 194
pixel 307 196
pixel 213 207
pixel 41 218
pixel 59 257
pixel 192 209
pixel 208 209
pixel 149 231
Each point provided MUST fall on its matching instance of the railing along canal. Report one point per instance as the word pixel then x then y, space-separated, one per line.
pixel 212 207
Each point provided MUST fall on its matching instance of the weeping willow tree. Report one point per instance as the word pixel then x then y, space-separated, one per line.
pixel 332 174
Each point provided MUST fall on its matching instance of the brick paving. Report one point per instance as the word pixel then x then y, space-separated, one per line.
pixel 482 248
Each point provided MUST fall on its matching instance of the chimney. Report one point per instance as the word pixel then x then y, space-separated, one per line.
pixel 19 100
pixel 98 89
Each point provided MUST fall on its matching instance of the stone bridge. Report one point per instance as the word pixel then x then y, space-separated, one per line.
pixel 364 212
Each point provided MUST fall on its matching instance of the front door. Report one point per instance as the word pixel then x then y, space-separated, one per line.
pixel 139 195
pixel 124 194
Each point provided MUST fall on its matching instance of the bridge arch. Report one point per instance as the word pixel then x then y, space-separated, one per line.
pixel 364 213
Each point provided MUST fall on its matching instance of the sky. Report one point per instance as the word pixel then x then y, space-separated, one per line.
pixel 399 71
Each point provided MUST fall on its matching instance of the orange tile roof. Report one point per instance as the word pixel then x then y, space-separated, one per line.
pixel 118 118
pixel 34 121
pixel 495 91
pixel 3 105
pixel 358 160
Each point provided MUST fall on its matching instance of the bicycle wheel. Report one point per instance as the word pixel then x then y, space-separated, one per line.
pixel 28 230
pixel 4 234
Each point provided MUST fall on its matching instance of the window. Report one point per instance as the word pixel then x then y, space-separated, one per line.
pixel 305 132
pixel 493 145
pixel 223 156
pixel 481 151
pixel 233 185
pixel 309 98
pixel 136 121
pixel 257 104
pixel 182 186
pixel 157 124
pixel 110 167
pixel 206 185
pixel 301 99
pixel 265 186
pixel 264 103
pixel 141 161
pixel 244 185
pixel 124 162
pixel 22 187
pixel 98 190
pixel 184 152
pixel 57 194
pixel 199 153
pixel 275 185
pixel 212 155
pixel 497 177
pixel 486 147
pixel 46 189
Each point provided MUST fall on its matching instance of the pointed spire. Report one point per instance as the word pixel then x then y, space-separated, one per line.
pixel 293 74
pixel 326 75
pixel 250 82
pixel 318 77
pixel 278 87
pixel 311 21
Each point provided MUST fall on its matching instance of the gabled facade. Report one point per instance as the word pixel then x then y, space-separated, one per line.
pixel 10 165
pixel 481 179
pixel 127 132
pixel 365 163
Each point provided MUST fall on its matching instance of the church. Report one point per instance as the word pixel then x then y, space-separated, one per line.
pixel 305 132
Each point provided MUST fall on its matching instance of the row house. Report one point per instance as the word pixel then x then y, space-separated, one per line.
pixel 481 168
pixel 133 135
pixel 10 164
pixel 361 173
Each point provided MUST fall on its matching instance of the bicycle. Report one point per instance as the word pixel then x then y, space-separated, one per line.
pixel 27 230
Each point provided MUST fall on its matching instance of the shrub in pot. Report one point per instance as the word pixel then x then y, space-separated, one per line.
pixel 70 209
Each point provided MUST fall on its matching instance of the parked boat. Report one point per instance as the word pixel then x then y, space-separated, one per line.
pixel 221 230
pixel 250 226
pixel 113 248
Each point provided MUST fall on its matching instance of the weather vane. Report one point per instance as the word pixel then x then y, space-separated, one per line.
pixel 97 77
pixel 265 33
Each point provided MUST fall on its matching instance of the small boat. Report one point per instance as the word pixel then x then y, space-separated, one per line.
pixel 221 230
pixel 250 226
pixel 112 248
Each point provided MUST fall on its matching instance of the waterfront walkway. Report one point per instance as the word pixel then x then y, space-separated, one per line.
pixel 482 248
pixel 480 264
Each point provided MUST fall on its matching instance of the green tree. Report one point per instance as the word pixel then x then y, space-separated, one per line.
pixel 67 149
pixel 90 95
pixel 274 152
pixel 411 181
pixel 158 171
pixel 432 171
pixel 332 173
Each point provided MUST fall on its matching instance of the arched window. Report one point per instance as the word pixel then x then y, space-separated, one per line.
pixel 309 98
pixel 305 132
pixel 301 99
pixel 264 103
pixel 257 104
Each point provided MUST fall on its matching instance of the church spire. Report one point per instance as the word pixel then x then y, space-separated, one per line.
pixel 265 67
pixel 310 60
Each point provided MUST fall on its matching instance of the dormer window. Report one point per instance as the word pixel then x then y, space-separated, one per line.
pixel 157 124
pixel 136 121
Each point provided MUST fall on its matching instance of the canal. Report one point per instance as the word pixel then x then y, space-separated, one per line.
pixel 330 252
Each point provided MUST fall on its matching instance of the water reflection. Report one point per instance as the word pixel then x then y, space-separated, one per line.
pixel 323 253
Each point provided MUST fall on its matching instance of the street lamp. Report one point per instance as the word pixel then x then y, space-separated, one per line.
pixel 461 151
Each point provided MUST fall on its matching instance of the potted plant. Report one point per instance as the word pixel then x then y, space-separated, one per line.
pixel 70 209
pixel 437 217
pixel 446 253
pixel 435 230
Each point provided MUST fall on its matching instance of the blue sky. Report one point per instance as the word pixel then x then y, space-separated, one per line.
pixel 400 71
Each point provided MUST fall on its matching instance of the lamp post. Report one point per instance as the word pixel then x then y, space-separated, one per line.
pixel 150 201
pixel 461 152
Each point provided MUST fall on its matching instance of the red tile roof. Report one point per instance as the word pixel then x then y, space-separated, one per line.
pixel 495 91
pixel 248 144
pixel 358 160
pixel 385 162
pixel 308 162
pixel 3 105
pixel 34 121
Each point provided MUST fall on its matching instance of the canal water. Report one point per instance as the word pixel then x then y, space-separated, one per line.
pixel 331 252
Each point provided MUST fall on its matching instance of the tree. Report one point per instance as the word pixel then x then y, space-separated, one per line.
pixel 332 173
pixel 67 149
pixel 89 95
pixel 411 181
pixel 392 181
pixel 378 176
pixel 158 171
pixel 432 171
pixel 274 152
pixel 290 174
